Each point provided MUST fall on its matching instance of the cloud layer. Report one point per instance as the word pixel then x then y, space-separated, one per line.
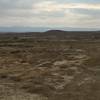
pixel 52 13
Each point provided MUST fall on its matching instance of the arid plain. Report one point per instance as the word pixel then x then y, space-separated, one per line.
pixel 34 68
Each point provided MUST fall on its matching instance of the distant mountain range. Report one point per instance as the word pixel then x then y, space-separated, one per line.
pixel 43 29
pixel 55 34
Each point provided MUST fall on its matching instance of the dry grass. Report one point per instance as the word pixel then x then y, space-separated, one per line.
pixel 55 70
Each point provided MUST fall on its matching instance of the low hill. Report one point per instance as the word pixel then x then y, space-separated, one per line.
pixel 56 34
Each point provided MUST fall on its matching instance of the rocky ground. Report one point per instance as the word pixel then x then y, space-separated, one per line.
pixel 50 70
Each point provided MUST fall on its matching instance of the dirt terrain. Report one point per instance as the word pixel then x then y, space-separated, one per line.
pixel 33 69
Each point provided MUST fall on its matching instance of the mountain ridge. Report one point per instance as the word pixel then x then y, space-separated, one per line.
pixel 43 29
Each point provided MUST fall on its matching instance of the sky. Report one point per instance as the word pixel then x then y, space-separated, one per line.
pixel 50 13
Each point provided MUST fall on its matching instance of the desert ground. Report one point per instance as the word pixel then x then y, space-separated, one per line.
pixel 43 69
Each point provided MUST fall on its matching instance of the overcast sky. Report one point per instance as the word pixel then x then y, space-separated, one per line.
pixel 55 13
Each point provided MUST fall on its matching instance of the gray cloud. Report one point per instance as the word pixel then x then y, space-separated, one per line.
pixel 16 4
pixel 49 13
